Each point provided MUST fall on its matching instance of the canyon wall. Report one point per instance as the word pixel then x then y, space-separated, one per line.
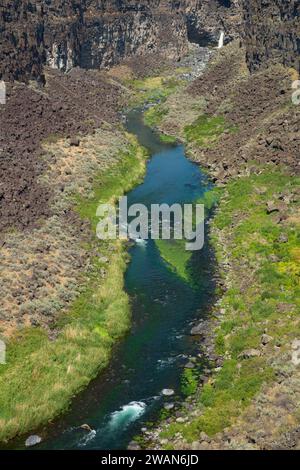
pixel 98 33
pixel 272 32
pixel 87 33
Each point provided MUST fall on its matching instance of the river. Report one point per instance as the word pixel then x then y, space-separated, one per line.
pixel 128 395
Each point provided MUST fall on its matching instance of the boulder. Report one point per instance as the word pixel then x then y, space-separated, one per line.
pixel 296 344
pixel 272 207
pixel 133 446
pixel 86 427
pixel 249 353
pixel 169 406
pixel 266 339
pixel 33 440
pixel 190 365
pixel 167 392
pixel 283 238
pixel 180 420
pixel 200 329
pixel 74 142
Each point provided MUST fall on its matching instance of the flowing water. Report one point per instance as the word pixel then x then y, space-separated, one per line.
pixel 152 356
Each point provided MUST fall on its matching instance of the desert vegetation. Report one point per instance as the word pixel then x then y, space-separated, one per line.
pixel 77 345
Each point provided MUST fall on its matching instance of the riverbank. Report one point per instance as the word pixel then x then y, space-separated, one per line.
pixel 63 356
pixel 242 128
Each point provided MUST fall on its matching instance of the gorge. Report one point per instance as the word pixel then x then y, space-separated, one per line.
pixel 214 80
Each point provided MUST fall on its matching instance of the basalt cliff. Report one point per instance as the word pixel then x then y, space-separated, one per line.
pixel 271 32
pixel 93 34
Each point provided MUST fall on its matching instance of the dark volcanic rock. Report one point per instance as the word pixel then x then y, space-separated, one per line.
pixel 91 34
pixel 70 104
pixel 271 32
pixel 201 329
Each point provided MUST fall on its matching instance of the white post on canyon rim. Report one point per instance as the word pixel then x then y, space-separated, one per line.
pixel 221 40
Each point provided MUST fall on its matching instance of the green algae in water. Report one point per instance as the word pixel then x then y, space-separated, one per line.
pixel 176 256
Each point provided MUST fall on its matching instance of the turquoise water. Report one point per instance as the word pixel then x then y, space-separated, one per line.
pixel 152 356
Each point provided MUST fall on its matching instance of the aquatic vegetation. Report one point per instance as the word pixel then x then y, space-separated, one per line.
pixel 210 199
pixel 176 256
pixel 167 139
pixel 174 251
pixel 154 115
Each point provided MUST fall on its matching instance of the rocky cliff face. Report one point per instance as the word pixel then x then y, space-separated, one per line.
pixel 206 19
pixel 22 52
pixel 271 32
pixel 88 33
pixel 98 33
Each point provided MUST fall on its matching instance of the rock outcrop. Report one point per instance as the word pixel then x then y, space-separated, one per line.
pixel 206 19
pixel 271 32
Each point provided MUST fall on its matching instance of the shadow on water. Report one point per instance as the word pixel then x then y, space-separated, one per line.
pixel 152 356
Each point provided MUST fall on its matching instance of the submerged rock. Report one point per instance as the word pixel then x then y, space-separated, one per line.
pixel 33 440
pixel 199 329
pixel 133 446
pixel 86 427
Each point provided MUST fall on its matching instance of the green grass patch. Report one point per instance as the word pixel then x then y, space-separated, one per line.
pixel 189 382
pixel 207 130
pixel 261 290
pixel 153 89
